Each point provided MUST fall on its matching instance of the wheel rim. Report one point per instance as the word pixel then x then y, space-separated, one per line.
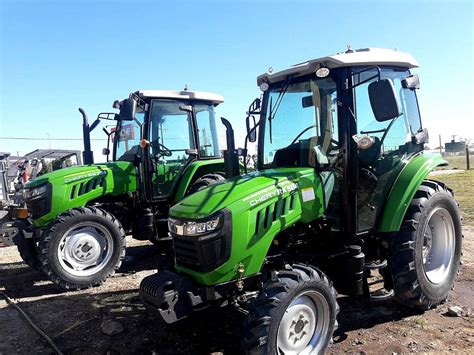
pixel 85 249
pixel 438 245
pixel 305 324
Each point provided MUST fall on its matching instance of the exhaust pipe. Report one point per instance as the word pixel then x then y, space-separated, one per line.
pixel 231 161
pixel 87 154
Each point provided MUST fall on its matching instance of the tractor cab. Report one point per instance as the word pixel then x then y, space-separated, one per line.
pixel 165 131
pixel 354 118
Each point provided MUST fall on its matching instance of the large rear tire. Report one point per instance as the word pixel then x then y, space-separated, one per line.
pixel 425 254
pixel 205 181
pixel 82 248
pixel 294 314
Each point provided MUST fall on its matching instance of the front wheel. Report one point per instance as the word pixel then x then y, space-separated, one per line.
pixel 82 248
pixel 294 314
pixel 425 253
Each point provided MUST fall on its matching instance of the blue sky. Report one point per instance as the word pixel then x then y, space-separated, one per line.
pixel 57 56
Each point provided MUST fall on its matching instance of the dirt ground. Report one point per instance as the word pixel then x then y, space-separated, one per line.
pixel 73 319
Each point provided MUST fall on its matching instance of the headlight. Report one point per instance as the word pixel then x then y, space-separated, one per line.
pixel 34 192
pixel 191 228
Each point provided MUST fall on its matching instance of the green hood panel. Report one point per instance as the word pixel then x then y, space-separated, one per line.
pixel 76 186
pixel 243 192
pixel 262 204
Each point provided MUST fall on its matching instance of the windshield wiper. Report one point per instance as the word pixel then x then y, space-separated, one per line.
pixel 274 108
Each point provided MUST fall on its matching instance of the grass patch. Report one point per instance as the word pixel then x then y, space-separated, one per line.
pixel 462 184
pixel 458 161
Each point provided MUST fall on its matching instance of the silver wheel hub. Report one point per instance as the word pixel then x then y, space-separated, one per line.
pixel 304 325
pixel 438 245
pixel 84 250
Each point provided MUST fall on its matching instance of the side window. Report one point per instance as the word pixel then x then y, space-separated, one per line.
pixel 207 134
pixel 391 138
pixel 128 138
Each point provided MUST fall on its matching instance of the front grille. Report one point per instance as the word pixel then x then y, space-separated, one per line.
pixel 207 252
pixel 186 252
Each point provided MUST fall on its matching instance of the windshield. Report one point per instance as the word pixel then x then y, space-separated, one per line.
pixel 301 115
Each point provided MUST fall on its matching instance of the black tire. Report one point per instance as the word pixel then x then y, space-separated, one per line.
pixel 103 226
pixel 266 312
pixel 28 251
pixel 205 181
pixel 414 287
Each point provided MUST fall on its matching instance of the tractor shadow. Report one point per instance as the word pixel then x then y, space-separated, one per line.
pixel 356 314
pixel 21 281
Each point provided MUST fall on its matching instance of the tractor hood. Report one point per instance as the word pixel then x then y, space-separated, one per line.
pixel 255 208
pixel 244 192
pixel 76 187
pixel 124 175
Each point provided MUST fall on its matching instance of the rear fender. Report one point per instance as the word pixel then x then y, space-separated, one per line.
pixel 404 189
pixel 193 172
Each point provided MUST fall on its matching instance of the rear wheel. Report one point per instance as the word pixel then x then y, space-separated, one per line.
pixel 425 254
pixel 294 314
pixel 205 181
pixel 82 248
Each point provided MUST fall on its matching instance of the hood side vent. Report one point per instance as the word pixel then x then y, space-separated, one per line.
pixel 270 214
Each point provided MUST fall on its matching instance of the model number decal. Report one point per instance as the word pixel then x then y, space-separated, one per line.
pixel 75 178
pixel 269 192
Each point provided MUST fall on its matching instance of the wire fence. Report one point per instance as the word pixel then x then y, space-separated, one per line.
pixel 459 160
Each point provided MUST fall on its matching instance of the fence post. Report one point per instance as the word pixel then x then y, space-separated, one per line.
pixel 467 158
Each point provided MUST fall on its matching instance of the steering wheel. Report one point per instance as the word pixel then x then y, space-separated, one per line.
pixel 302 132
pixel 163 150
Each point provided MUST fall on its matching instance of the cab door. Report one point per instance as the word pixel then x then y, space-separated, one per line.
pixel 380 164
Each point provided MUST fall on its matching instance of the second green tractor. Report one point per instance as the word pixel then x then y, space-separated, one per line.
pixel 165 147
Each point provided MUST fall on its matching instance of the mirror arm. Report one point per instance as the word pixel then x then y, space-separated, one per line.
pixel 94 125
pixel 137 122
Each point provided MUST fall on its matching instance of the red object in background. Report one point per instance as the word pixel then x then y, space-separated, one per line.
pixel 126 133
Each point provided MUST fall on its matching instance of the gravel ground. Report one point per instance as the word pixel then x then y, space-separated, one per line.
pixel 73 319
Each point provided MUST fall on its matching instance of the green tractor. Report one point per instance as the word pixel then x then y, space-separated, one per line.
pixel 165 147
pixel 340 196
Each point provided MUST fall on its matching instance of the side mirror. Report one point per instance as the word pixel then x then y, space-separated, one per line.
pixel 127 110
pixel 383 100
pixel 251 128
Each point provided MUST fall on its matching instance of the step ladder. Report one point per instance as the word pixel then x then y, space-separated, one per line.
pixel 380 294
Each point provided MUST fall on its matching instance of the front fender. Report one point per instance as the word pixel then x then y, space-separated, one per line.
pixel 404 189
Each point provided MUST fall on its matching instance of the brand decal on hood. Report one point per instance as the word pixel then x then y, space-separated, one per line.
pixel 270 192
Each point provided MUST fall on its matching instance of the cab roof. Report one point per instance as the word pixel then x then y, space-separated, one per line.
pixel 362 57
pixel 183 94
